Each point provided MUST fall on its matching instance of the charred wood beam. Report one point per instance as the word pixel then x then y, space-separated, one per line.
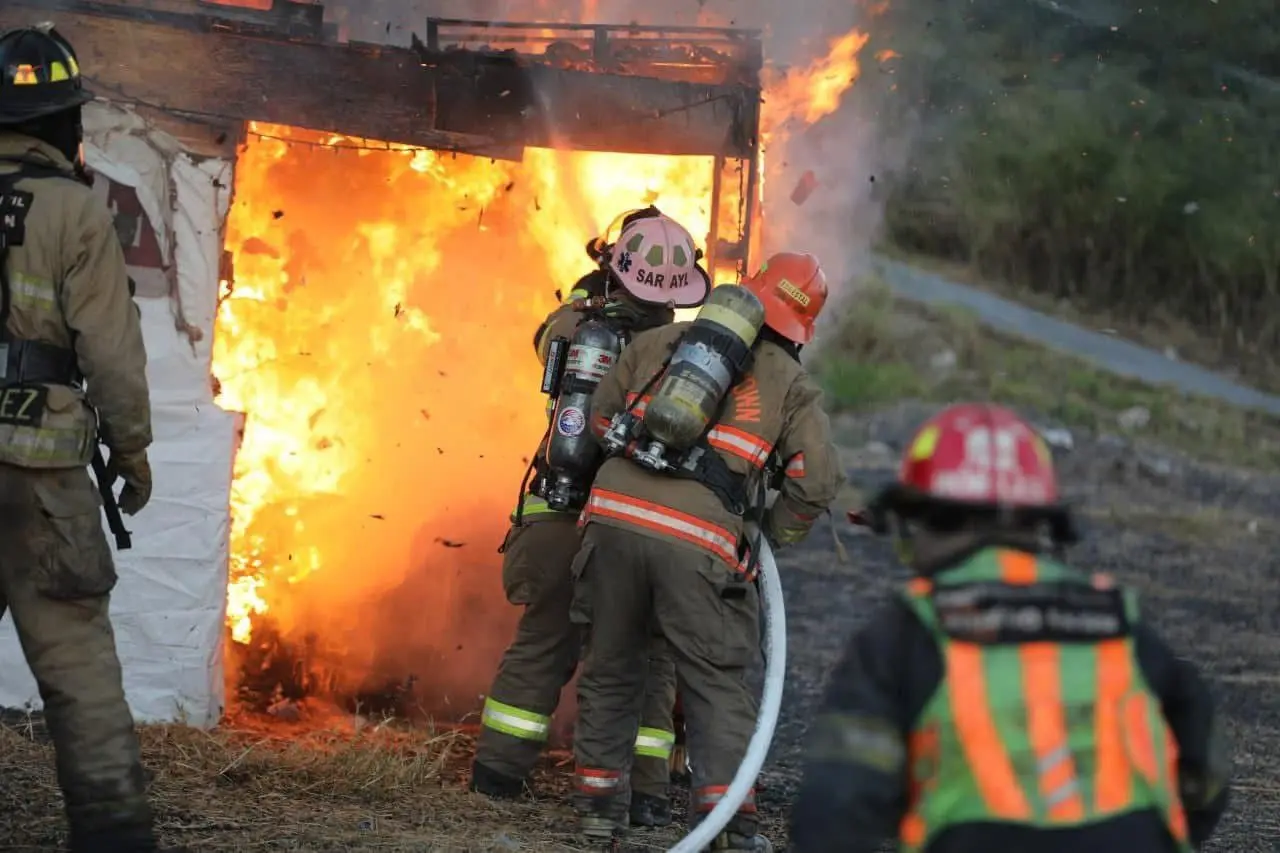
pixel 223 68
pixel 220 72
pixel 506 95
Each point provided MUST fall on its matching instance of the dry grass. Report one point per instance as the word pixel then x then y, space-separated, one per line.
pixel 347 785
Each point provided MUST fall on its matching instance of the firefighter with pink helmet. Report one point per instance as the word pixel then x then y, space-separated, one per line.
pixel 655 262
pixel 646 266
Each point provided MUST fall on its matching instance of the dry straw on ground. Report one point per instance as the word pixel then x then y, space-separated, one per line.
pixel 345 785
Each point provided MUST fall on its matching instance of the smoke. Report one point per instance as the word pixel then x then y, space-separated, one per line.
pixel 825 183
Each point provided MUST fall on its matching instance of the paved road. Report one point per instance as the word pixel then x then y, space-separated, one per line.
pixel 1110 353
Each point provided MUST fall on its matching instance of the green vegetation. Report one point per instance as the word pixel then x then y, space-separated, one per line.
pixel 887 349
pixel 1124 159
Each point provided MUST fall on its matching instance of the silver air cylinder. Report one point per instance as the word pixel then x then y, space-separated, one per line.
pixel 573 453
pixel 703 368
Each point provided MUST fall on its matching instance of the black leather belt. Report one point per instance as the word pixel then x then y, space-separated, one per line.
pixel 36 362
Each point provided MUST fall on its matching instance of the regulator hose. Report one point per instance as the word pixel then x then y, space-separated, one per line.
pixel 775 670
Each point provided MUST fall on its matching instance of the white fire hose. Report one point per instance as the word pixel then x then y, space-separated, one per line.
pixel 775 670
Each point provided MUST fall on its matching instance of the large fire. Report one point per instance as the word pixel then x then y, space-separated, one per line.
pixel 377 335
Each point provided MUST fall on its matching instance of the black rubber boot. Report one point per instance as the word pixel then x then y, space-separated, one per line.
pixel 651 811
pixel 602 821
pixel 741 835
pixel 493 784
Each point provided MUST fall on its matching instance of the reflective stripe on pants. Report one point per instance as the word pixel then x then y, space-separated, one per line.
pixel 514 721
pixel 655 743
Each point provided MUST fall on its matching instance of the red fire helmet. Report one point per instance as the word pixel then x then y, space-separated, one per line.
pixel 979 454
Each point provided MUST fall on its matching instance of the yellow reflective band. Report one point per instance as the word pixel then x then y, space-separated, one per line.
pixel 75 66
pixel 32 292
pixel 578 294
pixel 514 721
pixel 536 506
pixel 58 73
pixel 655 743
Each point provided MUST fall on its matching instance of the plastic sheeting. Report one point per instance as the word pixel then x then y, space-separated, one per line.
pixel 169 607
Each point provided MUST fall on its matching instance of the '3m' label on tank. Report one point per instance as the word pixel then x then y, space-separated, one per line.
pixel 589 362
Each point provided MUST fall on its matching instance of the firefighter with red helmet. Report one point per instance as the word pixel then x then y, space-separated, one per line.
pixel 1004 701
pixel 668 551
pixel 542 541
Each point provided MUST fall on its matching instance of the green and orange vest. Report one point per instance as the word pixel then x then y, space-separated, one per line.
pixel 1043 718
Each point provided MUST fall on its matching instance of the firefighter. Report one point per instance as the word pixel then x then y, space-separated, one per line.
pixel 1004 701
pixel 662 551
pixel 67 322
pixel 537 552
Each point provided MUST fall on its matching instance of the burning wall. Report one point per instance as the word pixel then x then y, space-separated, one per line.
pixel 377 333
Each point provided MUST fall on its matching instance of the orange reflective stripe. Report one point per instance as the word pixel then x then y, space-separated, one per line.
pixel 1018 568
pixel 740 443
pixel 912 831
pixel 1177 814
pixel 661 519
pixel 600 426
pixel 986 755
pixel 920 586
pixel 638 408
pixel 1047 727
pixel 795 467
pixel 709 796
pixel 1112 783
pixel 1137 726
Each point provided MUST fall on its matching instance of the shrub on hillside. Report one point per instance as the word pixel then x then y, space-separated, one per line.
pixel 1085 184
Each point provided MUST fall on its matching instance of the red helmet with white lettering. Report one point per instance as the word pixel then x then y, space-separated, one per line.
pixel 976 457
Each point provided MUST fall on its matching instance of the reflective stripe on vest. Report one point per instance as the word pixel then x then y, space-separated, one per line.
pixel 655 743
pixel 731 440
pixel 1005 735
pixel 513 721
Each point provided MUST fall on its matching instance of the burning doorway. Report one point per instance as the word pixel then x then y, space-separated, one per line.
pixel 377 334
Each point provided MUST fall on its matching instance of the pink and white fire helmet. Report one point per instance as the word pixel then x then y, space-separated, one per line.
pixel 655 261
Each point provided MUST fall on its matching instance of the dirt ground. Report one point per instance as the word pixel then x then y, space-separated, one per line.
pixel 1199 541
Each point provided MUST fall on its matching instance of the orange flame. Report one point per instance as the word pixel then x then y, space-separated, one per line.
pixel 380 319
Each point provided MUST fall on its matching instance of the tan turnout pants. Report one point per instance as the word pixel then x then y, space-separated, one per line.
pixel 56 573
pixel 709 617
pixel 543 656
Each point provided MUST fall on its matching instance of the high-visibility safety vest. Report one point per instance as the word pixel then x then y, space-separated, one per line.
pixel 1044 718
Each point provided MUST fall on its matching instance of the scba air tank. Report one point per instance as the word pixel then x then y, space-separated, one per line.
pixel 573 453
pixel 707 363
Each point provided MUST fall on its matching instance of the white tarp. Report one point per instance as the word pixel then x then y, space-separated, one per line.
pixel 169 606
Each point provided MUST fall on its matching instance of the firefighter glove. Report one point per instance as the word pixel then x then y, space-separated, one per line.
pixel 135 470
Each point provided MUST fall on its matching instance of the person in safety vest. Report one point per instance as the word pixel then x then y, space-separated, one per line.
pixel 67 325
pixel 1004 701
pixel 541 544
pixel 669 551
